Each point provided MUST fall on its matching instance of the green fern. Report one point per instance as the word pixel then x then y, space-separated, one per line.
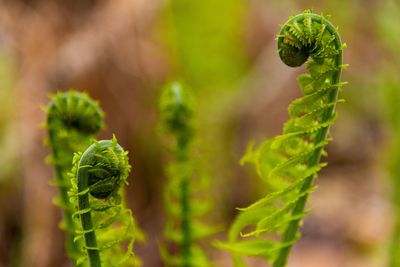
pixel 106 225
pixel 72 120
pixel 289 162
pixel 182 230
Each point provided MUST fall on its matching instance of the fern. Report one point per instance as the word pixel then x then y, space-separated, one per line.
pixel 289 162
pixel 182 230
pixel 107 226
pixel 72 120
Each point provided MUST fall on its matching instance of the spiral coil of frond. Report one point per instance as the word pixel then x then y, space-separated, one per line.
pixel 289 162
pixel 106 225
pixel 73 118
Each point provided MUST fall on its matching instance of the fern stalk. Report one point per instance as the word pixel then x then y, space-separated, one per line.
pixel 84 207
pixel 107 227
pixel 71 247
pixel 73 118
pixel 322 134
pixel 176 113
pixel 289 162
pixel 181 229
pixel 186 246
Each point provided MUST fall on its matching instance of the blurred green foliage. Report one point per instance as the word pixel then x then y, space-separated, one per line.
pixel 208 38
pixel 183 228
pixel 387 81
pixel 207 41
pixel 8 112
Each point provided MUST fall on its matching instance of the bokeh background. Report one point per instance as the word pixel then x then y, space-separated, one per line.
pixel 123 51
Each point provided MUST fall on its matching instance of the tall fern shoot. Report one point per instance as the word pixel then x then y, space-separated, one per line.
pixel 182 230
pixel 106 225
pixel 290 162
pixel 73 119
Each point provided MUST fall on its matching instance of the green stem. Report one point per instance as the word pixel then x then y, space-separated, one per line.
pixel 72 119
pixel 72 247
pixel 186 246
pixel 83 201
pixel 292 229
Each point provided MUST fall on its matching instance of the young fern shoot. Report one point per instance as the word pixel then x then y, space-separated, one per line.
pixel 73 119
pixel 289 162
pixel 182 229
pixel 106 225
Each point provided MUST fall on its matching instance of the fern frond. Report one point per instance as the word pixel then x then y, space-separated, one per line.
pixel 289 162
pixel 107 226
pixel 73 119
pixel 182 230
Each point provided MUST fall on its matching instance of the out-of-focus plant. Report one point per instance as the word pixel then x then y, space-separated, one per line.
pixel 73 119
pixel 388 19
pixel 182 229
pixel 390 83
pixel 207 40
pixel 8 132
pixel 106 225
pixel 290 162
pixel 193 38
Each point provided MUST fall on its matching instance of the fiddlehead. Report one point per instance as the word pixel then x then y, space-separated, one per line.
pixel 182 229
pixel 107 226
pixel 290 162
pixel 72 120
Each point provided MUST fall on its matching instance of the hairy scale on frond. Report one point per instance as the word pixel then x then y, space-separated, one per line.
pixel 73 119
pixel 107 227
pixel 289 163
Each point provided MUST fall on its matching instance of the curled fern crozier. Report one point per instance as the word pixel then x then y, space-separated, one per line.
pixel 289 162
pixel 107 226
pixel 73 119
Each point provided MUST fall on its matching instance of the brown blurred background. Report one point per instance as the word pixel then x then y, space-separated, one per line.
pixel 123 51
